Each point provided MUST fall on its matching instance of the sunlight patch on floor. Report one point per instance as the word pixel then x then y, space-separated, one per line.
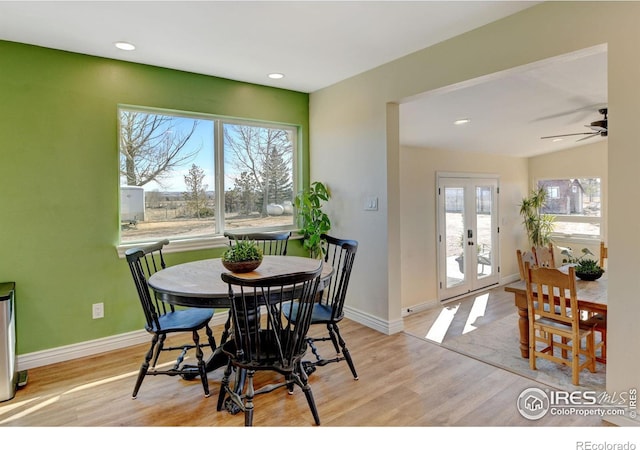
pixel 46 402
pixel 439 328
pixel 477 310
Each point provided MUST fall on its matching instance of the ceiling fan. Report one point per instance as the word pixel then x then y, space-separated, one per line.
pixel 599 128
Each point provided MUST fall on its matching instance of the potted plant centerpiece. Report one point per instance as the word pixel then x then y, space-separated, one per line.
pixel 586 268
pixel 313 222
pixel 242 256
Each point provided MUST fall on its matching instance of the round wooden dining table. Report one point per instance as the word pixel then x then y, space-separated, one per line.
pixel 199 284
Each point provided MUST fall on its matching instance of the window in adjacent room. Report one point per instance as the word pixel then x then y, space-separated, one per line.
pixel 576 205
pixel 187 176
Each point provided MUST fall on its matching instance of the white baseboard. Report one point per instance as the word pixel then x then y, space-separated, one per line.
pixel 89 348
pixel 373 322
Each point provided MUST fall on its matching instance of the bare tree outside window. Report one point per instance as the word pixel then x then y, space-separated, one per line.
pixel 196 195
pixel 151 146
pixel 168 161
pixel 265 156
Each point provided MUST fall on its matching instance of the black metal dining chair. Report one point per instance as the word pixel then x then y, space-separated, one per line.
pixel 329 310
pixel 264 341
pixel 271 243
pixel 162 319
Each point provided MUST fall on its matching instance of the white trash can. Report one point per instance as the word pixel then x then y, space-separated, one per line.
pixel 8 370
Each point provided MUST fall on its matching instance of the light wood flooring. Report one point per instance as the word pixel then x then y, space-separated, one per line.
pixel 404 382
pixel 493 304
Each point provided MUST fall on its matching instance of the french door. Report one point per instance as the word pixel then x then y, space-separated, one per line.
pixel 467 233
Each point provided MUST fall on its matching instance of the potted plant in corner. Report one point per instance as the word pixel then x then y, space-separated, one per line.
pixel 313 222
pixel 537 225
pixel 243 256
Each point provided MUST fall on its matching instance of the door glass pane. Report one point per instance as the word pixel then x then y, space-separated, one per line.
pixel 484 206
pixel 454 235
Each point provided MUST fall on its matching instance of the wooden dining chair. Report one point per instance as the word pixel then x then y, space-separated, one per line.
pixel 544 256
pixel 604 254
pixel 265 341
pixel 162 319
pixel 599 323
pixel 599 320
pixel 271 243
pixel 553 311
pixel 523 257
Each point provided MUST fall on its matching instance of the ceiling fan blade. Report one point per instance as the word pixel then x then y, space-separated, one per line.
pixel 584 111
pixel 589 137
pixel 564 135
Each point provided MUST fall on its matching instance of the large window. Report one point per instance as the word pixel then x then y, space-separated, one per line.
pixel 187 176
pixel 576 205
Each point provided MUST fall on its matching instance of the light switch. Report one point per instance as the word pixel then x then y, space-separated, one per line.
pixel 371 204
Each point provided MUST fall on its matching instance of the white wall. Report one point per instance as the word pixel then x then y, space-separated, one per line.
pixel 418 167
pixel 354 148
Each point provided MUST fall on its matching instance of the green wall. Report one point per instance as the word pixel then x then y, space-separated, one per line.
pixel 59 180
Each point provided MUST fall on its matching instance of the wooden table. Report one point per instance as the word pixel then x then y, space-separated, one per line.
pixel 592 297
pixel 199 284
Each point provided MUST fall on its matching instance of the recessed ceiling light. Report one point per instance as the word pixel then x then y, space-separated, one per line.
pixel 461 121
pixel 276 76
pixel 125 46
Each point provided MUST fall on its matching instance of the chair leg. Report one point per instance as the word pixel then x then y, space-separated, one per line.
pixel 225 331
pixel 603 348
pixel 159 348
pixel 201 365
pixel 345 352
pixel 248 405
pixel 591 350
pixel 602 345
pixel 145 366
pixel 306 388
pixel 333 337
pixel 211 338
pixel 224 386
pixel 575 362
pixel 532 349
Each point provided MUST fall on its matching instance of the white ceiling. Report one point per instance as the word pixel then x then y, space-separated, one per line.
pixel 509 112
pixel 319 43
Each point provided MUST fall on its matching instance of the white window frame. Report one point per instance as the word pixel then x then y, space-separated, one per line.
pixel 574 218
pixel 215 238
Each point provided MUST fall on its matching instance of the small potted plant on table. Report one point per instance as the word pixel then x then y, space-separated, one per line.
pixel 586 268
pixel 242 256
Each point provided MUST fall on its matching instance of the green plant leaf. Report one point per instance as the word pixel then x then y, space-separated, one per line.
pixel 312 221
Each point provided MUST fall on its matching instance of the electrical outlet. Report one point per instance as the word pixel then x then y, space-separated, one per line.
pixel 98 310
